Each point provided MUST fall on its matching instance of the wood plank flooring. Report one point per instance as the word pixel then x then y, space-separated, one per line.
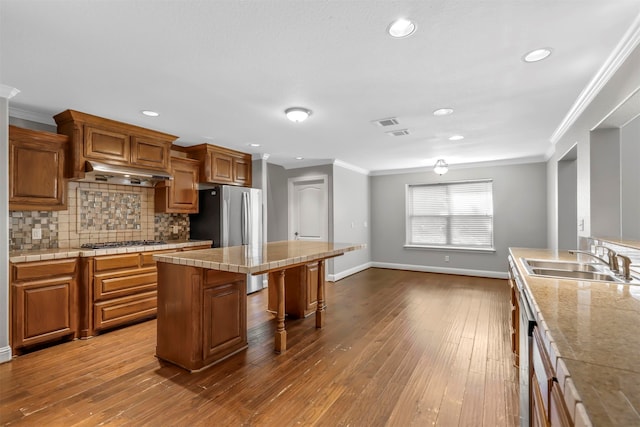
pixel 398 349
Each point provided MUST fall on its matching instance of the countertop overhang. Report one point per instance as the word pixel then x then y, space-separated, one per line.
pixel 259 259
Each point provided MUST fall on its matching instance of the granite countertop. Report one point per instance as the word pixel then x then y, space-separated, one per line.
pixel 48 254
pixel 590 330
pixel 256 260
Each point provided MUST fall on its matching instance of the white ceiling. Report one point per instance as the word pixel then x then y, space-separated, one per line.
pixel 223 72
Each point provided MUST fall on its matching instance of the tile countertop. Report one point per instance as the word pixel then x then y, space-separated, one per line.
pixel 48 254
pixel 256 260
pixel 633 244
pixel 591 331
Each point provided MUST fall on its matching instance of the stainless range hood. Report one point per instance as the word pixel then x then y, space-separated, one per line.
pixel 122 175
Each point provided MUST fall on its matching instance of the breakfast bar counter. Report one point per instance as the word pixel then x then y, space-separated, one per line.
pixel 202 296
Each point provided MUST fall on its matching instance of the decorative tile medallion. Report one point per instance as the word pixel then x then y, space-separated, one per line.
pixel 107 210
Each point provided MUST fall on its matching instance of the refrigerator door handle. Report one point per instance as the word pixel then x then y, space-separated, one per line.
pixel 225 218
pixel 245 218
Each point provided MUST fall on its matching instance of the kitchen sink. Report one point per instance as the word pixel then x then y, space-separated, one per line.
pixel 573 270
pixel 575 275
pixel 563 265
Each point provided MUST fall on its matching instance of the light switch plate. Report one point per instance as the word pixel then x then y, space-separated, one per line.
pixel 175 229
pixel 36 233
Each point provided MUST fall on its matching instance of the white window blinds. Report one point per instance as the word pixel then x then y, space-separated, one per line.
pixel 452 215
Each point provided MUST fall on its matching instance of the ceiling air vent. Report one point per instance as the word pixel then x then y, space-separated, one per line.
pixel 399 132
pixel 391 121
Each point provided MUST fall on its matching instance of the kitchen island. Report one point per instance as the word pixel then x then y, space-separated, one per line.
pixel 202 298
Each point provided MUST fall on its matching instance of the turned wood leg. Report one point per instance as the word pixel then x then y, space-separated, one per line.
pixel 281 333
pixel 320 304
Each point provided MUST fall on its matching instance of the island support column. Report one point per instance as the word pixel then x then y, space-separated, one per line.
pixel 281 333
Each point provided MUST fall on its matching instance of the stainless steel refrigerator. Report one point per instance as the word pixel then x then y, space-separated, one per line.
pixel 231 216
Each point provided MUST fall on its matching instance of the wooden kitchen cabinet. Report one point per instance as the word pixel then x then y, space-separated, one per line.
pixel 106 145
pixel 514 316
pixel 150 153
pixel 224 317
pixel 180 195
pixel 118 289
pixel 204 321
pixel 112 142
pixel 548 407
pixel 219 165
pixel 43 302
pixel 36 170
pixel 301 290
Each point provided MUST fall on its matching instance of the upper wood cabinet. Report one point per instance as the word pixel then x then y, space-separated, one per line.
pixel 36 170
pixel 180 195
pixel 219 165
pixel 109 141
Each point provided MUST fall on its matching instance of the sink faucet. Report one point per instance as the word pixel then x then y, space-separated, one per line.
pixel 626 267
pixel 612 262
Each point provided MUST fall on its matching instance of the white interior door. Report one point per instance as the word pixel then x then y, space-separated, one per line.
pixel 308 208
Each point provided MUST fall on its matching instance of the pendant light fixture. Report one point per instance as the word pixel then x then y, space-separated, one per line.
pixel 297 114
pixel 441 167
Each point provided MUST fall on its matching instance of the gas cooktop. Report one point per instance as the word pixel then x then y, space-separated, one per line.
pixel 107 245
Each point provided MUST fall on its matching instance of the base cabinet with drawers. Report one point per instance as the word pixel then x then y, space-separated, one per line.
pixel 44 307
pixel 119 289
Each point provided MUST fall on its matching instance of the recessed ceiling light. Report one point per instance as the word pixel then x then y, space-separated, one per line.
pixel 297 114
pixel 537 55
pixel 401 28
pixel 253 145
pixel 443 112
pixel 150 113
pixel 456 137
pixel 299 158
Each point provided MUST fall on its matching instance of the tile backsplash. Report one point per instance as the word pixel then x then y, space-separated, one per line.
pixel 97 213
pixel 22 222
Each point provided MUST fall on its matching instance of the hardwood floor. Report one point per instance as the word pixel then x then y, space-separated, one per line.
pixel 398 349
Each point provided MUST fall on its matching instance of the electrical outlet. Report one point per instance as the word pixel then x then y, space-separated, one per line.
pixel 353 224
pixel 36 233
pixel 446 258
pixel 175 229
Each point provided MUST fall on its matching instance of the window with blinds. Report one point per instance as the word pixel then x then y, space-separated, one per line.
pixel 451 215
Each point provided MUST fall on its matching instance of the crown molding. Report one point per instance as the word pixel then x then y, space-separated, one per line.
pixel 623 49
pixel 8 92
pixel 260 156
pixel 493 163
pixel 31 115
pixel 351 167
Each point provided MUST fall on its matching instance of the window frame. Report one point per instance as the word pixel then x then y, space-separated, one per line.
pixel 407 217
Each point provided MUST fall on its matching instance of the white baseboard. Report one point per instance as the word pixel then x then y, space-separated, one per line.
pixel 445 270
pixel 5 354
pixel 349 272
